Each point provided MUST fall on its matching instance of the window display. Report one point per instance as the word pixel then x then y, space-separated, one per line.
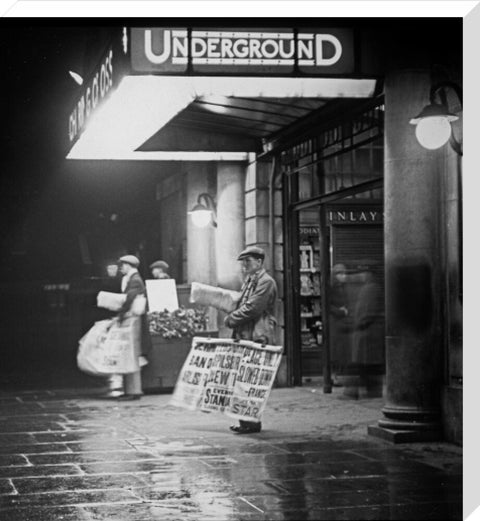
pixel 311 324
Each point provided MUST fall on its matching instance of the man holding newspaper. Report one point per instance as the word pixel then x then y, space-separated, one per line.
pixel 133 286
pixel 253 318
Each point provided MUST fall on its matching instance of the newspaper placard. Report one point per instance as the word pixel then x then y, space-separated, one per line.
pixel 161 295
pixel 221 378
pixel 253 383
pixel 191 380
pixel 228 376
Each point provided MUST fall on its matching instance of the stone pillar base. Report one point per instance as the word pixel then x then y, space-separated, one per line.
pixel 403 424
pixel 404 436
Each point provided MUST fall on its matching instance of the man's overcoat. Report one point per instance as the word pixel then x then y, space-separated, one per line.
pixel 254 317
pixel 136 286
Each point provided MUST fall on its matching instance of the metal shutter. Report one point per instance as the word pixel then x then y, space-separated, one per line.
pixel 355 244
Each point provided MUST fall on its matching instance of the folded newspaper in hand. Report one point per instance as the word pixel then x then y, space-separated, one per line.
pixel 111 301
pixel 219 298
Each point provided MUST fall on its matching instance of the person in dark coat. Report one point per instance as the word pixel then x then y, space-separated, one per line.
pixel 132 286
pixel 253 319
pixel 368 343
pixel 341 321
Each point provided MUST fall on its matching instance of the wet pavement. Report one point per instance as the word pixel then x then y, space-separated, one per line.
pixel 73 455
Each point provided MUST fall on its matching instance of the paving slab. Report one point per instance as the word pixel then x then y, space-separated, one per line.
pixel 80 456
pixel 44 514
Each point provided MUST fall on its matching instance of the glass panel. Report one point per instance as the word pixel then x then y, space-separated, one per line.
pixel 356 305
pixel 348 153
pixel 354 166
pixel 305 184
pixel 310 309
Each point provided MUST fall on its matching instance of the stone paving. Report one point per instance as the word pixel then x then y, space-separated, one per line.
pixel 73 455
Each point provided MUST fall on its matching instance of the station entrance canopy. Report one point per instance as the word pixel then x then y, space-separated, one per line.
pixel 240 85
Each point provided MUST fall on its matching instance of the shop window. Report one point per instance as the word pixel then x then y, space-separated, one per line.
pixel 311 324
pixel 344 155
pixel 338 235
pixel 339 171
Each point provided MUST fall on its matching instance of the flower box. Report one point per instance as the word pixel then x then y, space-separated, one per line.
pixel 166 360
pixel 177 324
pixel 171 335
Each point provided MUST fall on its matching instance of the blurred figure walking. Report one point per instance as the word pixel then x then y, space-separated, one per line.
pixel 341 322
pixel 368 342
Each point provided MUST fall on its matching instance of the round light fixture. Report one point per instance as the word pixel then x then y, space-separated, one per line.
pixel 204 214
pixel 433 127
pixel 432 133
pixel 201 216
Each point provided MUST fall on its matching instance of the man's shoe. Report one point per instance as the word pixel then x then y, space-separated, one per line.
pixel 114 393
pixel 241 429
pixel 129 397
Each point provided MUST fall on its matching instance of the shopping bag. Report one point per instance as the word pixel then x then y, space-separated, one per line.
pixel 111 301
pixel 113 352
pixel 219 298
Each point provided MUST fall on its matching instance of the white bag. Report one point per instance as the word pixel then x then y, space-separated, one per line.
pixel 111 301
pixel 219 298
pixel 139 305
pixel 108 348
pixel 90 344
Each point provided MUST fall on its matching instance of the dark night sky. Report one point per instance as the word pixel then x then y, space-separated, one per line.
pixel 37 88
pixel 34 95
pixel 48 200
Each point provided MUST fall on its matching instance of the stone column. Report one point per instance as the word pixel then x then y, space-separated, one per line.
pixel 414 350
pixel 230 239
pixel 200 241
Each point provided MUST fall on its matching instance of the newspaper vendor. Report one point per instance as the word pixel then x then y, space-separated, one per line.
pixel 132 286
pixel 253 318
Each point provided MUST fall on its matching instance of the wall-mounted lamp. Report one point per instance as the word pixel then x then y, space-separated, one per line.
pixel 204 212
pixel 433 124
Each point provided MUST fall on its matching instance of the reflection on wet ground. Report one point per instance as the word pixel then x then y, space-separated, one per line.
pixel 84 459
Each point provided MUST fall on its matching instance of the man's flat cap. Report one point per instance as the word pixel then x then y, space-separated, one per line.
pixel 159 264
pixel 130 259
pixel 252 251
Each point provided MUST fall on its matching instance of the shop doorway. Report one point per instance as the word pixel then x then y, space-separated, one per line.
pixel 337 275
pixel 333 228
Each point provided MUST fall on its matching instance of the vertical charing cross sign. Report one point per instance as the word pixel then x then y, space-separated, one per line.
pixel 96 89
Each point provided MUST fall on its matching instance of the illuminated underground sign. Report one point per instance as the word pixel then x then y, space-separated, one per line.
pixel 167 50
pixel 97 88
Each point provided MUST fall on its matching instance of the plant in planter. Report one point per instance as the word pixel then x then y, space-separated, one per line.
pixel 171 334
pixel 180 323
